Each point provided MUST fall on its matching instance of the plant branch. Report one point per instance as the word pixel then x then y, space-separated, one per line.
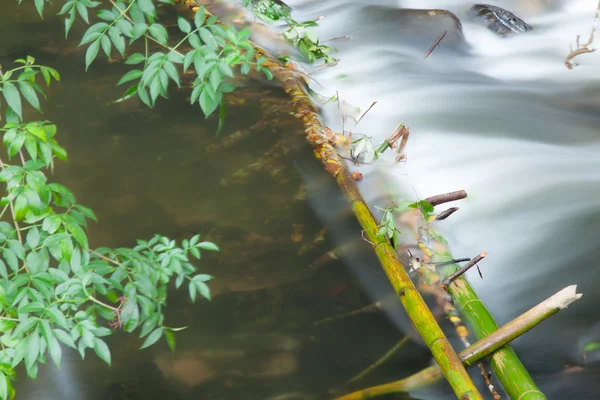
pixel 452 277
pixel 583 48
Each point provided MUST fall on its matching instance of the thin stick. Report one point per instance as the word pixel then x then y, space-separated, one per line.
pixel 479 350
pixel 446 213
pixel 109 260
pixel 383 359
pixel 582 49
pixel 435 44
pixel 486 378
pixel 446 197
pixel 365 113
pixel 370 308
pixel 453 261
pixel 451 278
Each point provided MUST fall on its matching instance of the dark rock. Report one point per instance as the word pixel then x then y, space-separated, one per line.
pixel 498 20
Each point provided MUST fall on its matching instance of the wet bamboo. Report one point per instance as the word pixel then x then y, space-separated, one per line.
pixel 492 344
pixel 505 363
pixel 295 86
pixel 410 297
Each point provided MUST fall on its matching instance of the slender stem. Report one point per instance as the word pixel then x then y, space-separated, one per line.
pixel 95 300
pixel 109 260
pixel 128 18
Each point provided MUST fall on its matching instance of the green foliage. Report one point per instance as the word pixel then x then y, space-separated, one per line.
pixel 54 290
pixel 298 33
pixel 216 51
pixel 388 227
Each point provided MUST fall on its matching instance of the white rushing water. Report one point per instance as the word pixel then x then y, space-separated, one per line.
pixel 503 119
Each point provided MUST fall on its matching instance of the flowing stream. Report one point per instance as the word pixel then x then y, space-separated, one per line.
pixel 502 118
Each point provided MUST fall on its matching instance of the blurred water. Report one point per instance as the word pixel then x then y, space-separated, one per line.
pixel 504 119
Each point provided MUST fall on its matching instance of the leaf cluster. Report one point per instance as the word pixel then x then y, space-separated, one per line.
pixel 54 290
pixel 214 51
pixel 298 33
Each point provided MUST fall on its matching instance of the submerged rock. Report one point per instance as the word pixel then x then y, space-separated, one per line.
pixel 498 20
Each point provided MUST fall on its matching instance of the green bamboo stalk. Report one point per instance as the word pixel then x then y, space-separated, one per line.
pixel 492 344
pixel 424 321
pixel 505 363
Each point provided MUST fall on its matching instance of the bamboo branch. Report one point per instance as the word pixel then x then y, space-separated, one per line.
pixel 494 343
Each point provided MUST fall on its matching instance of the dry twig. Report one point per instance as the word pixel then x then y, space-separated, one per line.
pixel 446 197
pixel 451 278
pixel 435 44
pixel 446 213
pixel 583 48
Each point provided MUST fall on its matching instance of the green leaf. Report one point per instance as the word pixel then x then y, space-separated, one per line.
pixel 51 223
pixel 3 386
pixel 33 237
pixel 65 338
pixel 82 9
pixel 171 70
pixel 208 38
pixel 59 318
pixel 106 45
pixel 33 350
pixel 11 259
pixel 144 96
pixel 135 59
pixel 105 15
pixel 29 94
pixel 426 206
pixel 207 103
pixel 117 39
pixel 207 246
pixel 91 53
pixel 17 248
pixel 3 271
pixel 147 7
pixel 184 26
pixel 202 288
pixel 16 144
pixel 139 30
pixel 152 338
pixel 102 350
pixel 68 25
pixel 31 146
pixel 199 17
pixel 79 235
pixel 192 291
pixel 149 325
pixel 75 261
pixel 88 212
pixel 170 338
pixel 131 75
pixel 11 95
pixel 130 316
pixel 225 69
pixel 36 306
pixel 39 6
pixel 174 57
pixel 159 33
pixel 55 351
